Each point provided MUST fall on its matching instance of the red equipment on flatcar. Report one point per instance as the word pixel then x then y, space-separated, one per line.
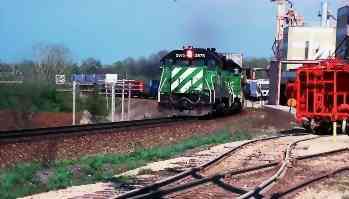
pixel 323 94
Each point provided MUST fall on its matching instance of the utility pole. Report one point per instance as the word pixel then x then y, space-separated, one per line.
pixel 74 103
pixel 123 100
pixel 113 102
pixel 276 65
pixel 129 101
pixel 324 13
pixel 106 96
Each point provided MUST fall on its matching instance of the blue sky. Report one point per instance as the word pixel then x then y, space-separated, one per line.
pixel 111 30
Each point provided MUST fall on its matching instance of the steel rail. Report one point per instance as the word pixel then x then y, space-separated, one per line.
pixel 213 178
pixel 193 171
pixel 69 130
pixel 346 149
pixel 290 132
pixel 308 182
pixel 217 178
pixel 257 190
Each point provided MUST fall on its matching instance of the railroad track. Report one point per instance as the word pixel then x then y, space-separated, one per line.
pixel 24 134
pixel 305 171
pixel 197 177
pixel 163 188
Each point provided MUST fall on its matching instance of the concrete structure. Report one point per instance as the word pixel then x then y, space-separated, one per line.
pixel 308 43
pixel 295 44
pixel 342 32
pixel 286 17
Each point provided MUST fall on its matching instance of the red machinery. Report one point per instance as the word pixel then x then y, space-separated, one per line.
pixel 323 94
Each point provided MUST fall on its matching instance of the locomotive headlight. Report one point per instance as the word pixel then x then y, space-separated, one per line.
pixel 190 54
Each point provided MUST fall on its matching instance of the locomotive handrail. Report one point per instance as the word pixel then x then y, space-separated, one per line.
pixel 214 92
pixel 160 86
pixel 209 89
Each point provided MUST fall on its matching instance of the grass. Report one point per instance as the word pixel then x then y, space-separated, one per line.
pixel 26 179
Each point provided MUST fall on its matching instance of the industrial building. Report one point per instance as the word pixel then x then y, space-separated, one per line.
pixel 308 43
pixel 297 43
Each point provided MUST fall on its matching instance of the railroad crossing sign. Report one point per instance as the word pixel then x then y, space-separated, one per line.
pixel 60 79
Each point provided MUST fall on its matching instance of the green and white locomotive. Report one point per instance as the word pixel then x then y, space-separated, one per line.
pixel 200 81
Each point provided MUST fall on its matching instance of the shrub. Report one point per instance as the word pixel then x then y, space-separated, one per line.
pixel 62 178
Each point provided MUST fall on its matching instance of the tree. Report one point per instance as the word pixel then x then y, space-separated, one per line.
pixel 142 68
pixel 26 68
pixel 50 60
pixel 72 69
pixel 90 65
pixel 4 67
pixel 256 62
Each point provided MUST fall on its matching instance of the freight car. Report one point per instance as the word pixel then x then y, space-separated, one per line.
pixel 88 79
pixel 199 81
pixel 151 89
pixel 323 95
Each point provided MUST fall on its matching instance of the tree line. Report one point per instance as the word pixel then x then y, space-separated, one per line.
pixel 51 59
pixel 38 92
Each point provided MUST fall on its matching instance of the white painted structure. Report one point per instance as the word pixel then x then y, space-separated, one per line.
pixel 308 43
pixel 111 78
pixel 60 79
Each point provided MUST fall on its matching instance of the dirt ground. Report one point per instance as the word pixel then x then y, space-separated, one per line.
pixel 261 122
pixel 335 188
pixel 139 109
pixel 10 120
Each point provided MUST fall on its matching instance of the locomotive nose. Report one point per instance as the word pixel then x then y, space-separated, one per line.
pixel 186 79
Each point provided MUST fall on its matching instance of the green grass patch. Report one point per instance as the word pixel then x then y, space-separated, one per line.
pixel 26 179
